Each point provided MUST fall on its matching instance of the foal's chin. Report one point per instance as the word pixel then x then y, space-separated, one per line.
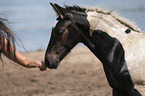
pixel 51 62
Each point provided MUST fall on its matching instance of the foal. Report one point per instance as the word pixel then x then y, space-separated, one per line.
pixel 74 27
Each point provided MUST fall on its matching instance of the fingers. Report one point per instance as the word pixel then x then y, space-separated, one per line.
pixel 43 67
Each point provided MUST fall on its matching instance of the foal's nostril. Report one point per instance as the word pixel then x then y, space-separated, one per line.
pixel 56 64
pixel 47 62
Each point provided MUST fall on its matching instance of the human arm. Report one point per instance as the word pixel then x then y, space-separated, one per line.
pixel 19 58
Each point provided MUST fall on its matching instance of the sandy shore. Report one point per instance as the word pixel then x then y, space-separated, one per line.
pixel 79 74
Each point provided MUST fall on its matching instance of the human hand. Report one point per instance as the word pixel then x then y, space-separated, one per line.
pixel 42 66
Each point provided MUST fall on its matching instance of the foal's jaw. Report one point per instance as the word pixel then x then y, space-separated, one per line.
pixel 51 61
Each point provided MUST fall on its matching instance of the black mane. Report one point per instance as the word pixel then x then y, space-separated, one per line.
pixel 75 8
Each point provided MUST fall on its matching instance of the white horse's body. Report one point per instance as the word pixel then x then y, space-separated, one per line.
pixel 133 43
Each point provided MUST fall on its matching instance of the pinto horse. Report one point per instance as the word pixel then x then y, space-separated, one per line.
pixel 80 25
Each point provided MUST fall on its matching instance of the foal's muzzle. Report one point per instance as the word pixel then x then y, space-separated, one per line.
pixel 52 62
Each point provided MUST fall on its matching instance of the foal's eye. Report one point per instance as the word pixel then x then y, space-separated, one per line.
pixel 61 31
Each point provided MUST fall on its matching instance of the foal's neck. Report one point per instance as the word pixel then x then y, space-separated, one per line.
pixel 109 22
pixel 106 48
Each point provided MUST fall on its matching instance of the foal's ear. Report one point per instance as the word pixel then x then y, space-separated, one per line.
pixel 59 10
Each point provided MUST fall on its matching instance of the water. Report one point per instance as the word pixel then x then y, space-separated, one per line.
pixel 32 20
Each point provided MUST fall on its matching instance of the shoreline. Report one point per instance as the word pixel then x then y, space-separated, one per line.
pixel 41 49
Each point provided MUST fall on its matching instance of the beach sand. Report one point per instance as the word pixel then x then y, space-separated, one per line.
pixel 79 74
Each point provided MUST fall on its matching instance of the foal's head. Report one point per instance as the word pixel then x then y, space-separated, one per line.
pixel 72 21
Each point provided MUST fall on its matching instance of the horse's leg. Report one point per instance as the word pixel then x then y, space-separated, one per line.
pixel 118 89
pixel 133 92
pixel 118 93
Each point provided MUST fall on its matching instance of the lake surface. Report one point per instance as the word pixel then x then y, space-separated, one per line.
pixel 32 20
